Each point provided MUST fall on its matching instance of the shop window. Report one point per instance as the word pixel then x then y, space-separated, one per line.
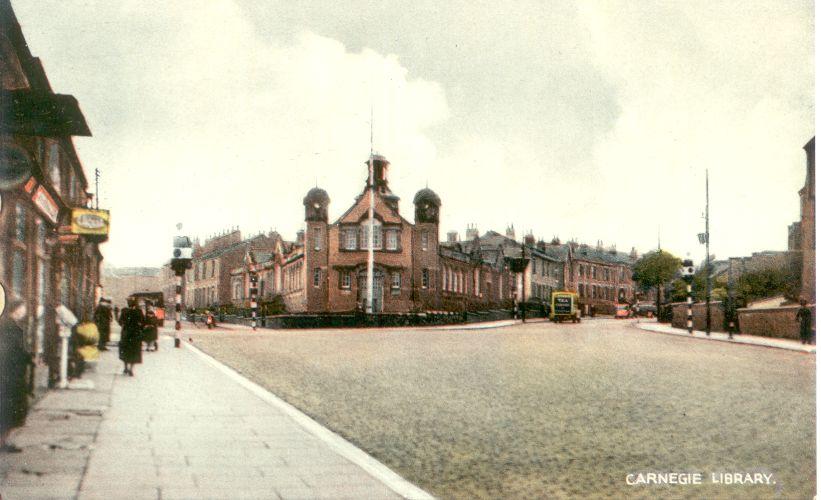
pixel 41 236
pixel 18 273
pixel 20 223
pixel 54 165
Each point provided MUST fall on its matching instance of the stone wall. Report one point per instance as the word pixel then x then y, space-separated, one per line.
pixel 699 316
pixel 773 322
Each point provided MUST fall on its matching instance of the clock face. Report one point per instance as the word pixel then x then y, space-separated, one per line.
pixel 15 167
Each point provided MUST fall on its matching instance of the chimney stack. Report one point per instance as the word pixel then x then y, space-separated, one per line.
pixel 453 237
pixel 471 232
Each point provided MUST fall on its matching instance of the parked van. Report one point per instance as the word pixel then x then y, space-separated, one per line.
pixel 564 306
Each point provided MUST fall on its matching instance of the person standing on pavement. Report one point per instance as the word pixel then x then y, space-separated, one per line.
pixel 102 318
pixel 150 329
pixel 132 322
pixel 14 362
pixel 804 317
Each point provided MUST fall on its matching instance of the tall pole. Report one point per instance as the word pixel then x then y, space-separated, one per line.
pixel 369 305
pixel 689 307
pixel 707 243
pixel 178 307
pixel 97 188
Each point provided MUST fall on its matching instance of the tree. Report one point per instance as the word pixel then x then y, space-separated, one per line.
pixel 771 282
pixel 654 269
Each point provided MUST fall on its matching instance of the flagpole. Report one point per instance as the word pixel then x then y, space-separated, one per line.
pixel 707 242
pixel 369 305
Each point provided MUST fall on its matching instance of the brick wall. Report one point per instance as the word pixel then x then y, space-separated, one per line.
pixel 699 316
pixel 774 322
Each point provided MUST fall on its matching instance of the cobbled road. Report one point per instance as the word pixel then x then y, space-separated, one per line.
pixel 547 411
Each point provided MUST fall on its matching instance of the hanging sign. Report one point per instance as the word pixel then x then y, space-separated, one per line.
pixel 46 204
pixel 88 221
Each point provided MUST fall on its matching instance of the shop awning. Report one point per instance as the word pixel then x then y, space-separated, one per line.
pixel 29 112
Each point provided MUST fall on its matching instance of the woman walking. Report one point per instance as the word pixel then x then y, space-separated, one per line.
pixel 150 330
pixel 132 322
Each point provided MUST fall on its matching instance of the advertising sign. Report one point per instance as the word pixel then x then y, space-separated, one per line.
pixel 88 221
pixel 46 204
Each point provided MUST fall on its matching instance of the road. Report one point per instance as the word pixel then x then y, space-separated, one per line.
pixel 544 410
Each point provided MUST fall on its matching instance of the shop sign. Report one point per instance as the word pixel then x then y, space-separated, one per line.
pixel 88 221
pixel 29 187
pixel 46 204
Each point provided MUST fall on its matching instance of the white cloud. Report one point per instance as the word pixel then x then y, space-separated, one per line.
pixel 217 127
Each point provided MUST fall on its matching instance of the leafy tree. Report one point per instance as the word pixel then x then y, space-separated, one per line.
pixel 654 269
pixel 771 282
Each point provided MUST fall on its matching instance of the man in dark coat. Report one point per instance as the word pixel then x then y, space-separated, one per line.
pixel 132 322
pixel 14 361
pixel 102 318
pixel 804 317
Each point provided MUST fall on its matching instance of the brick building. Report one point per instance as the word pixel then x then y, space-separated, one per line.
pixel 602 277
pixel 325 269
pixel 47 258
pixel 807 195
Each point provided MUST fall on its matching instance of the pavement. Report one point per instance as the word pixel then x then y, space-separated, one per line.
pixel 776 343
pixel 185 426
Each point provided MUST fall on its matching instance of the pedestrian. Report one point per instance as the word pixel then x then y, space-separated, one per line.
pixel 132 322
pixel 150 329
pixel 804 317
pixel 102 318
pixel 14 363
pixel 209 319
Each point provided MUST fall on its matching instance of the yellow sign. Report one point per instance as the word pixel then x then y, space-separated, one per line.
pixel 88 221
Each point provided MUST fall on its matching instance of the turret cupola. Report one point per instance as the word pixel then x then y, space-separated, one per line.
pixel 316 205
pixel 427 205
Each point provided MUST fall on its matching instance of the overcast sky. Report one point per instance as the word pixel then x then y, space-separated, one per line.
pixel 589 120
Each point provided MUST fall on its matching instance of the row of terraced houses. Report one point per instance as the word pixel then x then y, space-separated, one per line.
pixel 324 269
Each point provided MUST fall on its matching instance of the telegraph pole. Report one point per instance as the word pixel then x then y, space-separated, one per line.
pixel 97 188
pixel 707 243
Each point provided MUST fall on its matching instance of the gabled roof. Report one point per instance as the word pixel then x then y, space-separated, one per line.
pixel 382 209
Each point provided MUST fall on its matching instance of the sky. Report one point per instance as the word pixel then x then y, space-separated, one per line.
pixel 588 120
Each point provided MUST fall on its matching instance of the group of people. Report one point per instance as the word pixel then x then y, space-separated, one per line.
pixel 136 328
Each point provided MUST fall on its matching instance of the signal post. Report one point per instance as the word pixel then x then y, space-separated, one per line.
pixel 180 262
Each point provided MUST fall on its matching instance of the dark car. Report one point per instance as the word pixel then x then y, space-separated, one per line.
pixel 647 309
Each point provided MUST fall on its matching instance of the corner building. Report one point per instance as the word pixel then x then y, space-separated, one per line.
pixel 412 271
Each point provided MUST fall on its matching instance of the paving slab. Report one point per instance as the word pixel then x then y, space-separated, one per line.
pixel 182 427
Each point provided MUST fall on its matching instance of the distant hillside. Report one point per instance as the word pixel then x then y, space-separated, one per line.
pixel 120 282
pixel 111 271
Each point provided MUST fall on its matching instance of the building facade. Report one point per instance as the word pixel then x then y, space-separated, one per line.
pixel 807 240
pixel 603 278
pixel 48 258
pixel 325 269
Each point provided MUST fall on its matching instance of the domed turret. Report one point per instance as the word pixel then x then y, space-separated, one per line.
pixel 316 205
pixel 427 205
